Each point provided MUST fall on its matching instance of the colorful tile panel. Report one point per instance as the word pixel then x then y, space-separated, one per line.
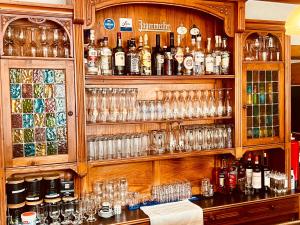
pixel 38 107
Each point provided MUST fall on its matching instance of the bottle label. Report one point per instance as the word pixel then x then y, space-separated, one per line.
pixel 225 60
pixel 232 180
pixel 119 59
pixel 221 181
pixel 267 178
pixel 199 58
pixel 179 56
pixel 218 60
pixel 105 65
pixel 134 65
pixel 249 176
pixel 160 59
pixel 188 62
pixel 209 64
pixel 147 59
pixel 256 180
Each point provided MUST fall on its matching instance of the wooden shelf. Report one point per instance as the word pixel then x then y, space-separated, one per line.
pixel 98 79
pixel 166 156
pixel 263 147
pixel 41 168
pixel 158 121
pixel 37 58
pixel 262 62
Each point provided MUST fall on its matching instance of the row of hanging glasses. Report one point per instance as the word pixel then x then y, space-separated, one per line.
pixel 36 42
pixel 181 138
pixel 262 48
pixel 121 105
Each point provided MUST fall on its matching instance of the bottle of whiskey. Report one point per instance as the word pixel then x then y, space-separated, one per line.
pixel 178 57
pixel 199 68
pixel 132 59
pixel 119 57
pixel 209 60
pixel 217 56
pixel 157 58
pixel 188 62
pixel 92 67
pixel 256 176
pixel 241 177
pixel 225 57
pixel 146 58
pixel 105 58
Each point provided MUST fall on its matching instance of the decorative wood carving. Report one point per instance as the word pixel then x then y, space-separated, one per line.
pixel 6 19
pixel 222 10
pixel 37 20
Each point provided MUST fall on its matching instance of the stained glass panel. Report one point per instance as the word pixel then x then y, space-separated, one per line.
pixel 38 107
pixel 262 104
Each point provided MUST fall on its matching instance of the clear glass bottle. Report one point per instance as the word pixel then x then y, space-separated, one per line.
pixel 99 49
pixel 106 58
pixel 228 107
pixel 199 66
pixel 92 67
pixel 119 57
pixel 211 104
pixel 146 58
pixel 181 105
pixel 178 57
pixel 133 60
pixel 220 106
pixel 217 56
pixel 188 62
pixel 225 57
pixel 209 60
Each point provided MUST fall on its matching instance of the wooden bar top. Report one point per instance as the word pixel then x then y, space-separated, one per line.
pixel 218 202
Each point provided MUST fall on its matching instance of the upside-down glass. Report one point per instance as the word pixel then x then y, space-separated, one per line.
pixel 67 208
pixel 91 209
pixel 54 212
pixel 42 213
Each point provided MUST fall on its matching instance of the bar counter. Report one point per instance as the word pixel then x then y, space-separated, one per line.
pixel 216 203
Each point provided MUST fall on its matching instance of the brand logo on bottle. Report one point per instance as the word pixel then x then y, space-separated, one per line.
pixel 126 24
pixel 109 24
pixel 155 27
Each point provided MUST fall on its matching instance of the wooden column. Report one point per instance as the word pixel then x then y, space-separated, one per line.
pixel 80 90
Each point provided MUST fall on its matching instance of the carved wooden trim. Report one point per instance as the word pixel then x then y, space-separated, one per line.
pixel 6 19
pixel 222 10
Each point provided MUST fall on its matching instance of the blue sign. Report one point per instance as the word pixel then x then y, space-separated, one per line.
pixel 109 24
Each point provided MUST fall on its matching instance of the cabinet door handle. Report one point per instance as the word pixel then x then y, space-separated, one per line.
pixel 70 113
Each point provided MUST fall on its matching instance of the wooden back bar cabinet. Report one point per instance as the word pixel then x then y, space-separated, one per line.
pixel 43 100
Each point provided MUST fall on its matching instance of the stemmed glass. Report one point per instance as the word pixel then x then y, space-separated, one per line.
pixel 196 105
pixel 67 208
pixel 166 105
pixel 174 105
pixel 55 42
pixel 66 44
pixel 8 41
pixel 76 212
pixel 181 105
pixel 42 214
pixel 33 42
pixel 44 42
pixel 54 213
pixel 189 104
pixel 21 39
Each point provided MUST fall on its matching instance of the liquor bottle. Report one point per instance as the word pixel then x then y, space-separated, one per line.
pixel 199 68
pixel 292 180
pixel 119 57
pixel 169 53
pixel 132 59
pixel 265 181
pixel 99 49
pixel 249 172
pixel 105 58
pixel 178 57
pixel 209 60
pixel 172 48
pixel 232 178
pixel 157 58
pixel 217 56
pixel 92 67
pixel 222 176
pixel 188 62
pixel 146 58
pixel 241 177
pixel 256 176
pixel 225 57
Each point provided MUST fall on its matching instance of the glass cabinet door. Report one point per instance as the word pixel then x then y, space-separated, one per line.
pixel 263 103
pixel 40 125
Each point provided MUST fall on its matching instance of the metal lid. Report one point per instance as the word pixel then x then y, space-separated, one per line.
pixel 16 206
pixel 35 202
pixel 52 200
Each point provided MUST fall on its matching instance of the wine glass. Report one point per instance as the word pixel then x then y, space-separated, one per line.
pixel 67 209
pixel 44 42
pixel 76 212
pixel 42 214
pixel 54 213
pixel 33 42
pixel 21 39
